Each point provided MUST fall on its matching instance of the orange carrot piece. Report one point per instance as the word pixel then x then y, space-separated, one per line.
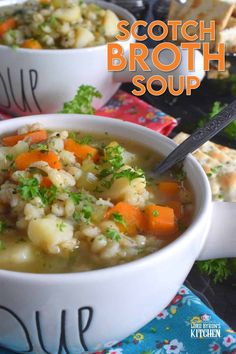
pixel 32 138
pixel 160 221
pixel 46 182
pixel 132 216
pixel 5 26
pixel 31 44
pixel 177 207
pixel 81 151
pixel 168 188
pixel 24 160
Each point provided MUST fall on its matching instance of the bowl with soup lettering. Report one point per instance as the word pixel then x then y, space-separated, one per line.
pixel 49 48
pixel 89 238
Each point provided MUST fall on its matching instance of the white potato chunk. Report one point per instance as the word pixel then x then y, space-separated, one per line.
pixel 110 24
pixel 18 253
pixel 133 192
pixel 71 14
pixel 83 37
pixel 50 233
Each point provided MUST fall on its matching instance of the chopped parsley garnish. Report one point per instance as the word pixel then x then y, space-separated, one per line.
pixel 9 157
pixel 117 217
pixel 82 102
pixel 155 213
pixel 2 246
pixel 43 147
pixel 114 155
pixel 85 140
pixel 61 226
pixel 53 20
pixel 3 226
pixel 48 195
pixel 130 174
pixel 83 215
pixel 29 189
pixel 76 197
pixel 178 173
pixel 113 234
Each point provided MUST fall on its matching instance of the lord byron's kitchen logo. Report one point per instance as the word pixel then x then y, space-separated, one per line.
pixel 140 56
pixel 203 327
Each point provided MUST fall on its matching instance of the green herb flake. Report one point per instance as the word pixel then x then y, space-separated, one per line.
pixel 77 217
pixel 130 174
pixel 48 195
pixel 85 140
pixel 76 197
pixel 113 234
pixel 2 246
pixel 9 157
pixel 114 155
pixel 82 102
pixel 118 218
pixel 155 213
pixel 61 226
pixel 28 188
pixel 43 147
pixel 3 226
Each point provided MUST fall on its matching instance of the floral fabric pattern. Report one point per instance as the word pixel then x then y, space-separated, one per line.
pixel 170 331
pixel 131 109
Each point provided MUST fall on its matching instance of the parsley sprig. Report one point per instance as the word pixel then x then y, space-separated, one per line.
pixel 82 102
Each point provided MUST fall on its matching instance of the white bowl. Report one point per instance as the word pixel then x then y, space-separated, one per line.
pixel 40 81
pixel 88 310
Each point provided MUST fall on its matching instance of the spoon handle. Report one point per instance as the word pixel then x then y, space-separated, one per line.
pixel 199 137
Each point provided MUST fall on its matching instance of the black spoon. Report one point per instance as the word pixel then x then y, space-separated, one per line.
pixel 198 138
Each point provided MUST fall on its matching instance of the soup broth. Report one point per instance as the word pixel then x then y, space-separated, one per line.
pixel 72 202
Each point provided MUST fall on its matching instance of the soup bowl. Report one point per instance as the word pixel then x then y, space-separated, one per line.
pixel 92 310
pixel 40 81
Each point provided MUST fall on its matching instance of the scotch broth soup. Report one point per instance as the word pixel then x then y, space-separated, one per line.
pixel 72 202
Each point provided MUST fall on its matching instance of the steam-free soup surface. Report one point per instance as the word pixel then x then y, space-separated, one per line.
pixel 72 202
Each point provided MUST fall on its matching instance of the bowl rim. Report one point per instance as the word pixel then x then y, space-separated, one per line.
pixel 107 5
pixel 95 274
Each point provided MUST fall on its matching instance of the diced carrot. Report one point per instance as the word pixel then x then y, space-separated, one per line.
pixel 24 160
pixel 177 207
pixel 81 151
pixel 5 26
pixel 32 138
pixel 133 218
pixel 46 182
pixel 31 44
pixel 160 221
pixel 168 188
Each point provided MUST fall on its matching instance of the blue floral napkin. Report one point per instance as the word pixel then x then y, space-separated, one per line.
pixel 186 326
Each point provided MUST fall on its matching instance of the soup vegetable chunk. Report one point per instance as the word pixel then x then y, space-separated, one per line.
pixel 72 202
pixel 52 24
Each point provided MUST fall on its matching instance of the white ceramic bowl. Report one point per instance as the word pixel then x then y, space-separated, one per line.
pixel 40 81
pixel 89 310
